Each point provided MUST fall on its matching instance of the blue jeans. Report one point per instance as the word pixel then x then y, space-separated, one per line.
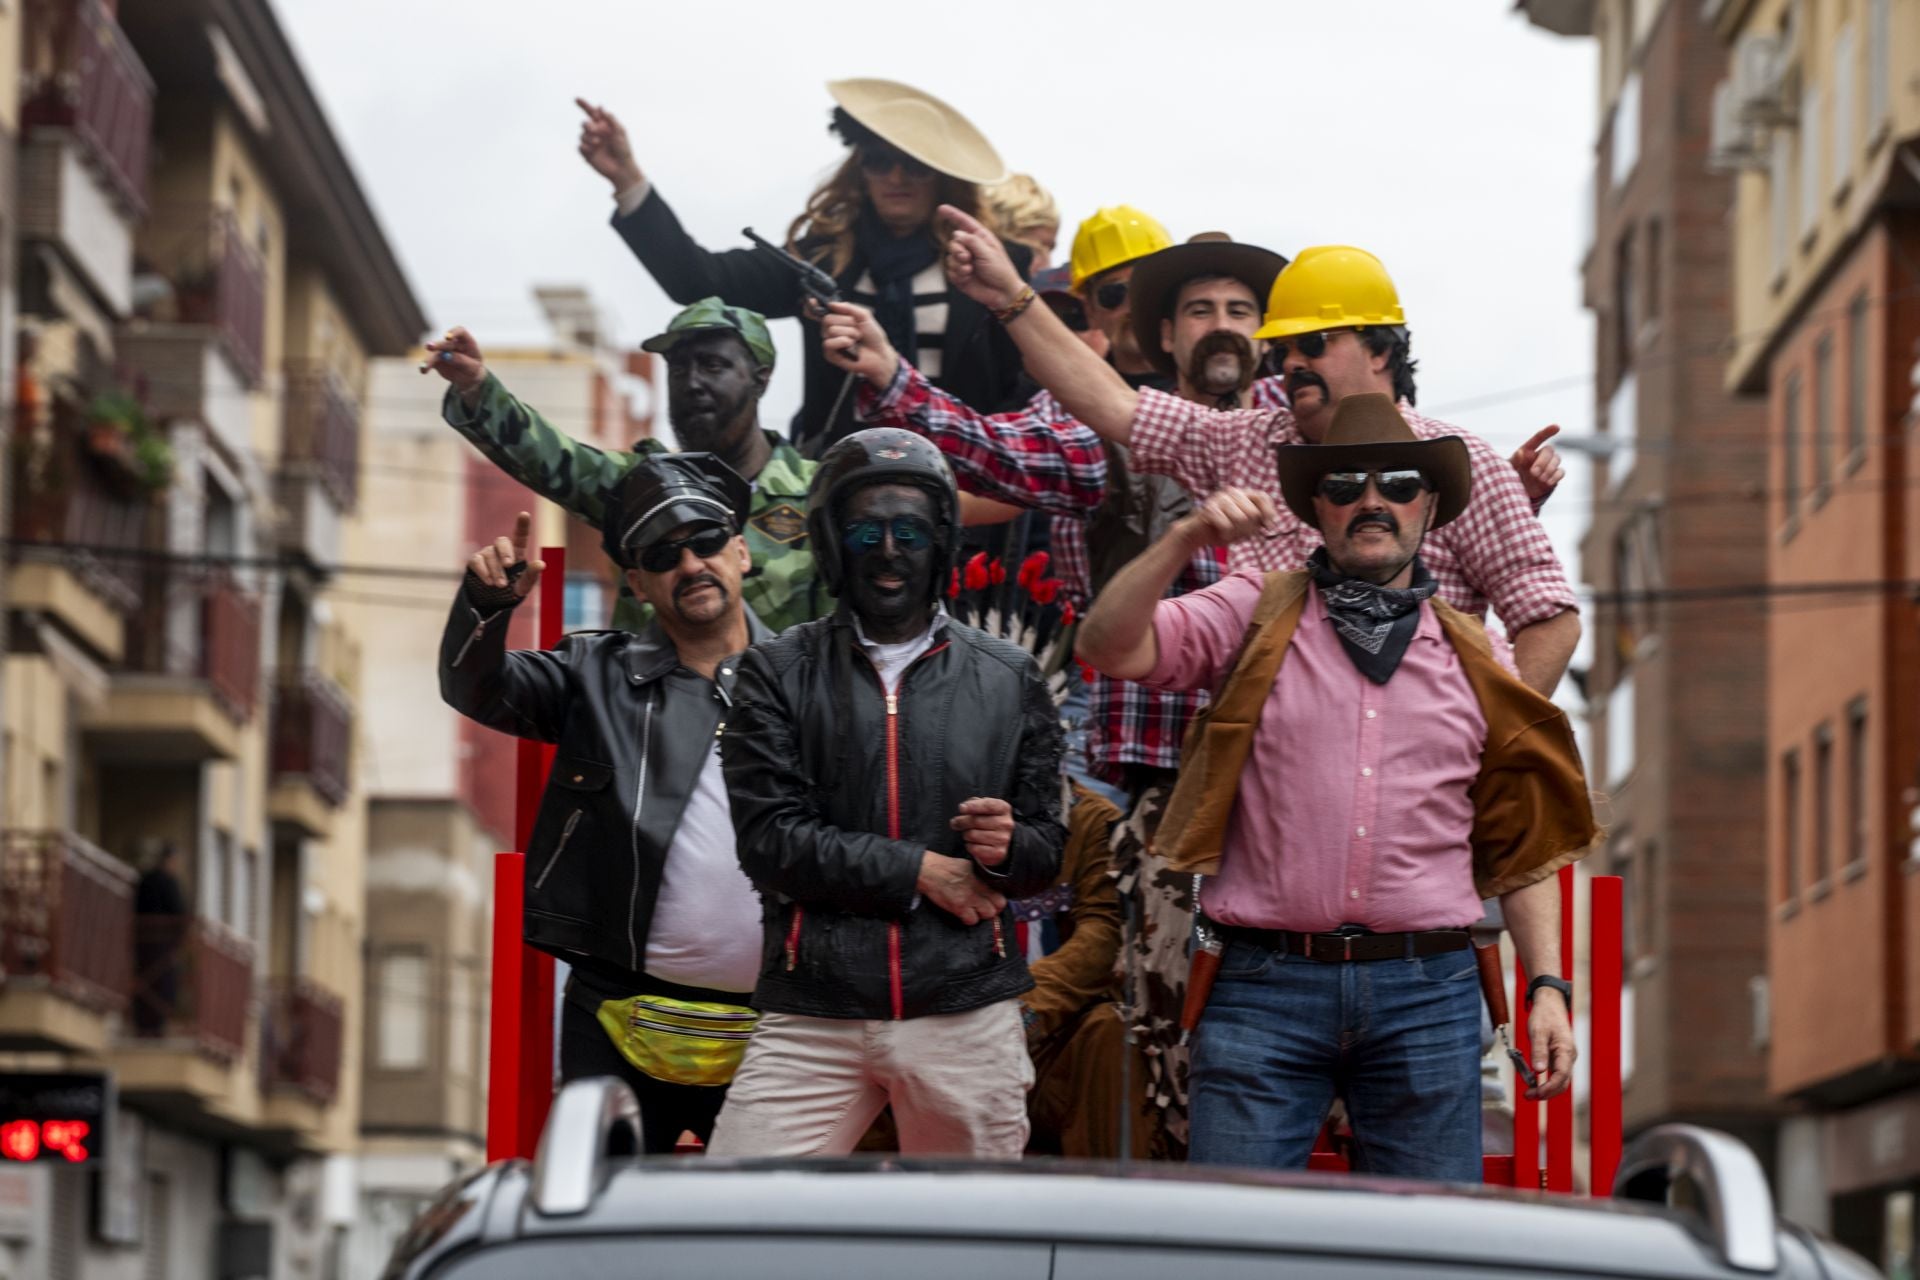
pixel 1398 1039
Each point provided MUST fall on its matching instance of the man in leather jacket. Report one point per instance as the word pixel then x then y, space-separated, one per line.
pixel 894 779
pixel 631 873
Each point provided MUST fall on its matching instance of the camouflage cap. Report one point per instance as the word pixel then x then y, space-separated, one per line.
pixel 710 314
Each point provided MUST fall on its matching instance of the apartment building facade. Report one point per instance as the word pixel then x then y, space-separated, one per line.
pixel 201 287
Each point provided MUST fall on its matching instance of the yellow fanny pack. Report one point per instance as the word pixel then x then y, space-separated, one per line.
pixel 679 1041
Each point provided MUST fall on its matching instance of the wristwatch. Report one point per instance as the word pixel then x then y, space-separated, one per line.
pixel 1561 985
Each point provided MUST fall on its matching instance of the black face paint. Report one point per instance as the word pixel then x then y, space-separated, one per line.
pixel 890 586
pixel 713 392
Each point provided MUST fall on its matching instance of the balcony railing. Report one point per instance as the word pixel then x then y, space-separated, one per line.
pixel 323 431
pixel 212 276
pixel 66 918
pixel 192 980
pixel 199 623
pixel 312 733
pixel 303 1040
pixel 67 495
pixel 83 75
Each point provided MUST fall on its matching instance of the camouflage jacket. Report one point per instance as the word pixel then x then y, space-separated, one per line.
pixel 522 443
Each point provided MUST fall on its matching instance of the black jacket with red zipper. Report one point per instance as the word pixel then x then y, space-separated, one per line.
pixel 836 795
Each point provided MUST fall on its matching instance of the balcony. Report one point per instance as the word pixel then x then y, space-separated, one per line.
pixel 185 1043
pixel 75 501
pixel 301 1051
pixel 66 930
pixel 312 739
pixel 192 674
pixel 319 475
pixel 83 77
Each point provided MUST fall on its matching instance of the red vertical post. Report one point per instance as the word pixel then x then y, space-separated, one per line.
pixel 1560 1109
pixel 1526 1112
pixel 536 1041
pixel 1604 1113
pixel 504 1032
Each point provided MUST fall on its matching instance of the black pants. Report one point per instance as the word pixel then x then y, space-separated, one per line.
pixel 666 1110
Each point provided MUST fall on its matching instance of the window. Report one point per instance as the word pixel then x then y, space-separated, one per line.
pixel 1858 819
pixel 1624 319
pixel 1623 427
pixel 1790 446
pixel 402 996
pixel 1790 826
pixel 1620 863
pixel 1779 180
pixel 1857 378
pixel 460 1019
pixel 1648 892
pixel 1879 56
pixel 1651 306
pixel 1626 130
pixel 1822 805
pixel 1823 414
pixel 1620 752
pixel 1810 162
pixel 1843 61
pixel 586 602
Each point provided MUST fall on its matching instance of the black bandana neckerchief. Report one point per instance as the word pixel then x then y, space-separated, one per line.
pixel 1375 624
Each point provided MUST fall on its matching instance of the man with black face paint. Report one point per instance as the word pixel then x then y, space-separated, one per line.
pixel 719 359
pixel 894 779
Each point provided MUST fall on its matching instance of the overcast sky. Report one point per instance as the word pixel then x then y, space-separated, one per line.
pixel 1453 140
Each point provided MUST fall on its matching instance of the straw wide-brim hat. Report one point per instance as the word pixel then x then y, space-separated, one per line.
pixel 1158 276
pixel 922 126
pixel 1368 434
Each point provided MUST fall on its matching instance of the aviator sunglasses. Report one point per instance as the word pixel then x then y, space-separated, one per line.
pixel 910 533
pixel 879 160
pixel 1344 488
pixel 662 556
pixel 1311 345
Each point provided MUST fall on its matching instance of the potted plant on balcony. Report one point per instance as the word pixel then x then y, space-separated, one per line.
pixel 129 448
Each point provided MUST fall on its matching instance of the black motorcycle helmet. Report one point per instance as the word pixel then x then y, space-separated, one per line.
pixel 880 455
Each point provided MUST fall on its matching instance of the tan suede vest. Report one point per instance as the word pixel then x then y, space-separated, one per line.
pixel 1532 811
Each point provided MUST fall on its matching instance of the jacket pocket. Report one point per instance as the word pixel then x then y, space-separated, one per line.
pixel 575 813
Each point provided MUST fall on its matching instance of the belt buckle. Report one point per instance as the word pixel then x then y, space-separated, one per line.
pixel 1346 947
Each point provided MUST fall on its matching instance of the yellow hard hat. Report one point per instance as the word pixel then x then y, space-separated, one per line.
pixel 1330 286
pixel 1113 237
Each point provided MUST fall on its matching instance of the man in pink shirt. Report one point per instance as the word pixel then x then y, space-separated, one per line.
pixel 1367 773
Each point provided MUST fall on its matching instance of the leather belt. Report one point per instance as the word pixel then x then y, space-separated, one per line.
pixel 1334 948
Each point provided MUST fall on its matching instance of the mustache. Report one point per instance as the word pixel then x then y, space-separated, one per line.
pixel 699 580
pixel 1366 518
pixel 1207 351
pixel 1300 379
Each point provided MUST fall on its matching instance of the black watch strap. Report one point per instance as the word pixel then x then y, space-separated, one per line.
pixel 1561 985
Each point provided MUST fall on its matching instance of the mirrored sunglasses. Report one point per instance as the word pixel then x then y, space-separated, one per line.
pixel 1344 488
pixel 910 533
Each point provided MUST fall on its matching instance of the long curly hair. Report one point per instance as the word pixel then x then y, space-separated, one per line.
pixel 824 232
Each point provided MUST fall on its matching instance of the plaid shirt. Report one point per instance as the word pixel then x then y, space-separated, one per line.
pixel 1494 554
pixel 1044 459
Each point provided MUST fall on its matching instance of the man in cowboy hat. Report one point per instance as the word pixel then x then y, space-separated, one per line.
pixel 869 225
pixel 719 360
pixel 1365 775
pixel 632 873
pixel 1337 328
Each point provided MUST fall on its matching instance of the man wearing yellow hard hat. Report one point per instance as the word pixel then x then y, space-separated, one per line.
pixel 1336 328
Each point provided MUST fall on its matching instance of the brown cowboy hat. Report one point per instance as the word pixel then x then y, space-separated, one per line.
pixel 1158 276
pixel 1368 434
pixel 922 126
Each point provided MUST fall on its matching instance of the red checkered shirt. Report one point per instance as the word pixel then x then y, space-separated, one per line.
pixel 1495 553
pixel 1044 459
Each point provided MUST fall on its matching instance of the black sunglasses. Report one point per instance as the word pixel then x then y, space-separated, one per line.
pixel 1344 488
pixel 910 533
pixel 662 556
pixel 1111 295
pixel 1311 345
pixel 1071 312
pixel 879 160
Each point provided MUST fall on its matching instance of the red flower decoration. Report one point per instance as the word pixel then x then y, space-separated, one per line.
pixel 997 573
pixel 1086 673
pixel 976 578
pixel 1045 590
pixel 953 588
pixel 1031 568
pixel 1067 615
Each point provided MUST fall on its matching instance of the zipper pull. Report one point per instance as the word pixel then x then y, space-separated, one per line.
pixel 893 704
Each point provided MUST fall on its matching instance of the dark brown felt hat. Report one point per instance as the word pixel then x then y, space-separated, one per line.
pixel 1158 276
pixel 1368 434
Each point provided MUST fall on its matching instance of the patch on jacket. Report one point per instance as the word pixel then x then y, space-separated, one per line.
pixel 783 522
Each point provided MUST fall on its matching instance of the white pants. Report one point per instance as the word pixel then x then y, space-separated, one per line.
pixel 812 1086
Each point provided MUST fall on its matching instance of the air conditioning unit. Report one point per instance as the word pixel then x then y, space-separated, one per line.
pixel 1760 81
pixel 1733 145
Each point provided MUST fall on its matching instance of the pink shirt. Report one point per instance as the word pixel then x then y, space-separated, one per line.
pixel 1353 806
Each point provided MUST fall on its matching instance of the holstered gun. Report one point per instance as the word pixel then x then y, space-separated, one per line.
pixel 1202 968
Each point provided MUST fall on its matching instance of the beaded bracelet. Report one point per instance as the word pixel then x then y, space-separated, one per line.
pixel 1012 310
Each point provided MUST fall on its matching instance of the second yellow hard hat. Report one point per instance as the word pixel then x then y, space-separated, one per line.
pixel 1330 286
pixel 1113 237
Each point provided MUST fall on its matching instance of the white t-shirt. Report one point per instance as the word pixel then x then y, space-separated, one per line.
pixel 706 922
pixel 890 660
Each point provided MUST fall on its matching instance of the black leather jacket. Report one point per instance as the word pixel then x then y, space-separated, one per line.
pixel 632 728
pixel 836 795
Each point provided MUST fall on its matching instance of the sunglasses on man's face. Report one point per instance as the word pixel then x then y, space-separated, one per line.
pixel 663 556
pixel 1071 312
pixel 1112 295
pixel 880 160
pixel 1344 488
pixel 910 533
pixel 1310 345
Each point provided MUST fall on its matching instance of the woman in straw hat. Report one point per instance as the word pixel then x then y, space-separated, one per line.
pixel 870 225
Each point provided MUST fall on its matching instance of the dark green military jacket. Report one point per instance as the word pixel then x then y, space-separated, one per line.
pixel 579 477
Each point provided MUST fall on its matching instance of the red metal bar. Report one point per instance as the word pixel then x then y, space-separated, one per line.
pixel 537 1039
pixel 1604 1114
pixel 1526 1112
pixel 504 1033
pixel 1560 1120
